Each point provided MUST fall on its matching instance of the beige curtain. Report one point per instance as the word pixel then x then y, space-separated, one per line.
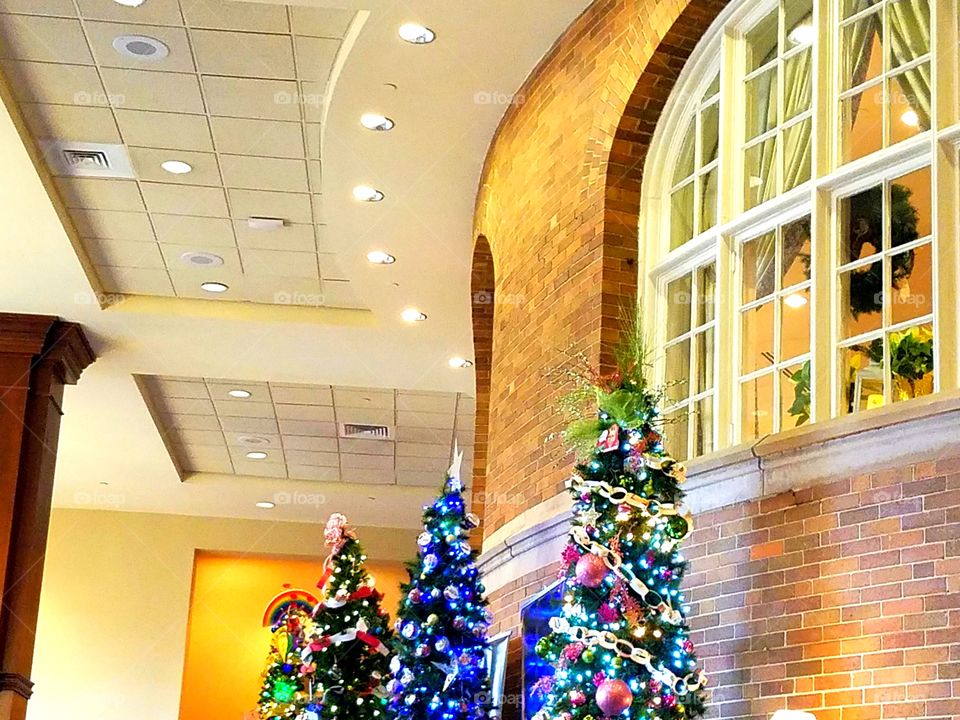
pixel 909 39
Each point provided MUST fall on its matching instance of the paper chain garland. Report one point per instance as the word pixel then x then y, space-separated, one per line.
pixel 622 496
pixel 628 651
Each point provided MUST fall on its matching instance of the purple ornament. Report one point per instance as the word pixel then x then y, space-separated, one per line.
pixel 423 650
pixel 415 595
pixel 459 622
pixel 451 592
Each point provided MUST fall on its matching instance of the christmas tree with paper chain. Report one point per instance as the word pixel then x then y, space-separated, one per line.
pixel 439 670
pixel 348 658
pixel 621 645
pixel 285 689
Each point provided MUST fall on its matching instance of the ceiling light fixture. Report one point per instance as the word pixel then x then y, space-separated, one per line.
pixel 239 393
pixel 130 3
pixel 214 287
pixel 796 300
pixel 377 122
pixel 910 118
pixel 416 33
pixel 379 257
pixel 176 167
pixel 802 34
pixel 201 259
pixel 141 47
pixel 256 455
pixel 365 193
pixel 266 505
pixel 459 362
pixel 412 315
pixel 265 223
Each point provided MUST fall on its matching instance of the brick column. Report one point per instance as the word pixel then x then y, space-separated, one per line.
pixel 38 356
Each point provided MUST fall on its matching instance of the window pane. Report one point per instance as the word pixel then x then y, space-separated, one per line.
pixel 709 134
pixel 862 118
pixel 861 225
pixel 796 154
pixel 703 426
pixel 760 172
pixel 798 23
pixel 678 371
pixel 862 50
pixel 678 306
pixel 762 103
pixel 714 87
pixel 911 276
pixel 910 211
pixel 759 267
pixel 852 7
pixel 861 368
pixel 911 362
pixel 795 395
pixel 861 293
pixel 795 325
pixel 762 42
pixel 707 282
pixel 757 338
pixel 909 103
pixel 704 362
pixel 675 434
pixel 681 216
pixel 797 84
pixel 708 199
pixel 909 22
pixel 756 404
pixel 685 158
pixel 795 252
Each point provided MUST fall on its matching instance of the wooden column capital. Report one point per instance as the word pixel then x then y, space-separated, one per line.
pixel 44 339
pixel 16 683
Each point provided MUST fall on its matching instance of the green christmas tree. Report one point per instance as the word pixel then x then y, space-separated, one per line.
pixel 349 657
pixel 621 646
pixel 439 670
pixel 285 690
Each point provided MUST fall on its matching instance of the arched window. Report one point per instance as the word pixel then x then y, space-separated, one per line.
pixel 798 229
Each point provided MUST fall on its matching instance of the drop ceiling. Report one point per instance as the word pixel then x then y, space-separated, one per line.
pixel 63 237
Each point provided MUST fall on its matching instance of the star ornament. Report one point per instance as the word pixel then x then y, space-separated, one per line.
pixel 589 517
pixel 452 671
pixel 453 474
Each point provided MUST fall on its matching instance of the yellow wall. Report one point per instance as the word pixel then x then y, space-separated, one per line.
pixel 226 646
pixel 112 634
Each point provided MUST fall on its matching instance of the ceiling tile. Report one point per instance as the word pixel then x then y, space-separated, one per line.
pixel 367 462
pixel 146 163
pixel 341 294
pixel 305 472
pixel 52 83
pixel 466 404
pixel 201 437
pixel 205 458
pixel 313 171
pixel 45 39
pixel 62 8
pixel 305 412
pixel 124 253
pixel 219 389
pixel 308 428
pixel 260 469
pixel 242 136
pixel 314 444
pixel 416 478
pixel 320 22
pixel 313 140
pixel 100 194
pixel 259 173
pixel 280 263
pixel 266 441
pixel 252 98
pixel 183 229
pixel 145 90
pixel 427 402
pixel 189 406
pixel 367 476
pixel 425 419
pixel 231 15
pixel 356 446
pixel 154 12
pixel 243 408
pixel 363 398
pixel 292 207
pixel 164 130
pixel 278 290
pixel 312 99
pixel 113 225
pixel 135 281
pixel 262 56
pixel 423 435
pixel 423 450
pixel 298 238
pixel 330 268
pixel 172 255
pixel 301 394
pixel 250 425
pixel 190 422
pixel 315 57
pixel 102 35
pixel 184 199
pixel 71 122
pixel 179 388
pixel 305 457
pixel 424 465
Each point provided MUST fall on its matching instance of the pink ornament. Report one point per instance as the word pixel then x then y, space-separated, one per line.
pixel 573 651
pixel 670 701
pixel 607 613
pixel 570 554
pixel 614 696
pixel 591 570
pixel 598 679
pixel 577 698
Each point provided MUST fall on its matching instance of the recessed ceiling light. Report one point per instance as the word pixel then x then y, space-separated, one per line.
pixel 796 300
pixel 141 47
pixel 252 440
pixel 377 122
pixel 202 259
pixel 459 362
pixel 214 287
pixel 412 315
pixel 176 167
pixel 266 505
pixel 379 257
pixel 265 223
pixel 365 193
pixel 239 393
pixel 256 455
pixel 802 34
pixel 416 33
pixel 130 3
pixel 910 118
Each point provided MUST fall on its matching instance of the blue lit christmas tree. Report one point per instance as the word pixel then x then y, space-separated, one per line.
pixel 621 646
pixel 439 670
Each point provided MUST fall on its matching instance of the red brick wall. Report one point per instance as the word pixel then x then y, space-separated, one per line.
pixel 558 202
pixel 842 599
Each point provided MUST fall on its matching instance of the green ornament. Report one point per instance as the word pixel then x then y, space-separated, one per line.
pixel 284 690
pixel 543 647
pixel 589 655
pixel 677 527
pixel 616 663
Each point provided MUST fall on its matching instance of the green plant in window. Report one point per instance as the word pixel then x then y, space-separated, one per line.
pixel 800 409
pixel 911 358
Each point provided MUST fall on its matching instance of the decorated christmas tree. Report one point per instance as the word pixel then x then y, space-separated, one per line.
pixel 621 645
pixel 439 671
pixel 285 688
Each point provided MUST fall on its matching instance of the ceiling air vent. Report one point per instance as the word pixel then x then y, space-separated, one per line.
pixel 365 432
pixel 78 159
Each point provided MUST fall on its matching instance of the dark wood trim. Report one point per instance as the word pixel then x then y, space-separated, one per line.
pixel 16 683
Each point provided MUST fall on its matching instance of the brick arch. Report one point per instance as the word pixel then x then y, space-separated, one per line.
pixel 482 295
